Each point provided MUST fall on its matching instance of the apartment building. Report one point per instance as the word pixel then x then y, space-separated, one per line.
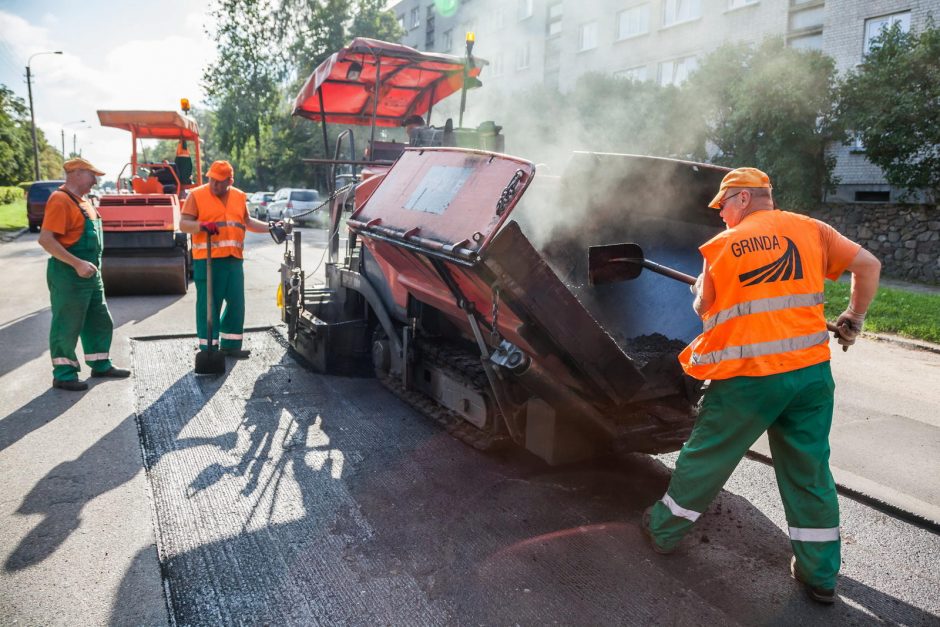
pixel 553 42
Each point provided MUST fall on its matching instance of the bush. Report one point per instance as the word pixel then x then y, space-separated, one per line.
pixel 10 194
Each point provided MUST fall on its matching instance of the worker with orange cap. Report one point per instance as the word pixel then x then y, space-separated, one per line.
pixel 765 350
pixel 71 233
pixel 220 211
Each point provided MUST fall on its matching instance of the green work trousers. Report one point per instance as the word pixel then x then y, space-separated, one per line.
pixel 79 310
pixel 795 409
pixel 228 300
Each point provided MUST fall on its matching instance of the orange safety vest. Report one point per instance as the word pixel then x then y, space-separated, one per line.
pixel 767 317
pixel 230 218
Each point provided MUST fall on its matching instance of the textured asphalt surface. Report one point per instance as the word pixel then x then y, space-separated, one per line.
pixel 285 497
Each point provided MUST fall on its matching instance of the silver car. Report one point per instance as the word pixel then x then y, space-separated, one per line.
pixel 258 204
pixel 290 201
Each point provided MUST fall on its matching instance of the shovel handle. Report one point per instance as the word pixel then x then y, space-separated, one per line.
pixel 688 279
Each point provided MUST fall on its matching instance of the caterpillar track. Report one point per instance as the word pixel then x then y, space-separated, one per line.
pixel 462 365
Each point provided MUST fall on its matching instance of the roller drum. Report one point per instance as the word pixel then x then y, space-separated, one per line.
pixel 131 273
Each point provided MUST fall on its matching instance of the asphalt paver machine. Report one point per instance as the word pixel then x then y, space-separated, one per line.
pixel 464 283
pixel 144 250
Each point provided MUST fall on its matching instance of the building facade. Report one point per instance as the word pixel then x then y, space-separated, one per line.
pixel 553 42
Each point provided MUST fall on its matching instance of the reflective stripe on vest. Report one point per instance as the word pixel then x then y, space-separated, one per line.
pixel 830 534
pixel 762 348
pixel 762 305
pixel 231 243
pixel 229 217
pixel 678 510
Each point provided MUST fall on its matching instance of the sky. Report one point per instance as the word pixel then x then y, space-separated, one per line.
pixel 116 55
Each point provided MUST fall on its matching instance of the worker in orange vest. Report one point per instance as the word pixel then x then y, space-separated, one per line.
pixel 219 210
pixel 765 350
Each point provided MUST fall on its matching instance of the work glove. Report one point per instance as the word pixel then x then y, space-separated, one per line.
pixel 848 327
pixel 209 227
pixel 696 287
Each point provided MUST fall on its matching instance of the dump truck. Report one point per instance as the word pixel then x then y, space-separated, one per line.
pixel 464 285
pixel 144 250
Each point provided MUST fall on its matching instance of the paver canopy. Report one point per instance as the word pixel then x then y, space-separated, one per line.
pixel 410 82
pixel 152 124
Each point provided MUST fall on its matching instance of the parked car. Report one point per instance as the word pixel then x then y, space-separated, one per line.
pixel 258 204
pixel 289 201
pixel 36 197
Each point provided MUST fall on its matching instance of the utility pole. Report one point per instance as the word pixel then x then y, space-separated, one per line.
pixel 32 114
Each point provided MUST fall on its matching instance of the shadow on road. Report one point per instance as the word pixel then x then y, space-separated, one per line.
pixel 339 505
pixel 61 495
pixel 35 327
pixel 33 415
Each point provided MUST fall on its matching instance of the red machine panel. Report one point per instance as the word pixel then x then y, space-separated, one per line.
pixel 444 200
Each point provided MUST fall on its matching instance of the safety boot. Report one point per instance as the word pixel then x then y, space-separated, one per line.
pixel 645 525
pixel 237 353
pixel 820 595
pixel 72 385
pixel 112 372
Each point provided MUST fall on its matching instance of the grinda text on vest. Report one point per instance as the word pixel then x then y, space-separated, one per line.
pixel 753 244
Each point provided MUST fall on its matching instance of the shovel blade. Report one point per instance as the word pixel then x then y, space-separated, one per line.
pixel 210 362
pixel 610 263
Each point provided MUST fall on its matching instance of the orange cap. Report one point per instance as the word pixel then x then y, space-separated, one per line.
pixel 81 164
pixel 221 171
pixel 740 177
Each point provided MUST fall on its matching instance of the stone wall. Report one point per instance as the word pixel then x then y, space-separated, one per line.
pixel 906 238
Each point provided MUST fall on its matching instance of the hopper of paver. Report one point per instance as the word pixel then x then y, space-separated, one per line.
pixel 568 366
pixel 660 204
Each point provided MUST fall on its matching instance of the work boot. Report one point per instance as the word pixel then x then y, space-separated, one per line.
pixel 113 373
pixel 820 595
pixel 645 525
pixel 237 353
pixel 72 385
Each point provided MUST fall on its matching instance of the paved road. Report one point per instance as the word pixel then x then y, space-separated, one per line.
pixel 77 536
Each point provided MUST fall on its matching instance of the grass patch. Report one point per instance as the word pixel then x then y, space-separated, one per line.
pixel 13 215
pixel 896 311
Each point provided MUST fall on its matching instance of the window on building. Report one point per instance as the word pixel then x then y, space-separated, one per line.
pixel 496 69
pixel 637 74
pixel 525 8
pixel 587 36
pixel 855 142
pixel 876 25
pixel 813 41
pixel 415 17
pixel 447 43
pixel 555 12
pixel 675 11
pixel 401 22
pixel 812 17
pixel 522 57
pixel 676 71
pixel 737 4
pixel 633 22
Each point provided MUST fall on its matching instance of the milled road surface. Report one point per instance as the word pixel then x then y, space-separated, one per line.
pixel 276 495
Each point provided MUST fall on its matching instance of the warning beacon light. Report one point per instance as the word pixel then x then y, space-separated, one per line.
pixel 184 104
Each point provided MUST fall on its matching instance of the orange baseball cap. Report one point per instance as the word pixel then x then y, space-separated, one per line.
pixel 221 171
pixel 740 177
pixel 81 164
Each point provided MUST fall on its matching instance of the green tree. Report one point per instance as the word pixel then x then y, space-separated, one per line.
pixel 16 144
pixel 242 85
pixel 771 107
pixel 893 103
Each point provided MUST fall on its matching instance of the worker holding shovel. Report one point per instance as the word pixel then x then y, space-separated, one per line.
pixel 765 350
pixel 220 211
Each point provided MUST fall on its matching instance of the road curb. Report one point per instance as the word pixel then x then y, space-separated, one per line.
pixel 904 342
pixel 895 511
pixel 9 237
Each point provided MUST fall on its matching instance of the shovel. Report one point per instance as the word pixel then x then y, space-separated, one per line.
pixel 209 361
pixel 610 263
